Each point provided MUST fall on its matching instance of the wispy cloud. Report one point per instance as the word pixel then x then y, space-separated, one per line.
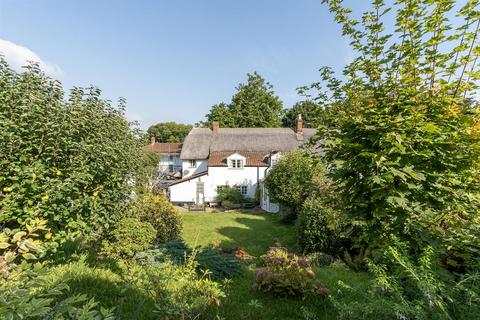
pixel 18 56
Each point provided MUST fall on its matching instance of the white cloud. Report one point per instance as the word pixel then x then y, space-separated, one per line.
pixel 18 56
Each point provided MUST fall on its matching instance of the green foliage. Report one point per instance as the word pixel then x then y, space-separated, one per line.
pixel 229 195
pixel 313 115
pixel 319 227
pixel 161 214
pixel 403 140
pixel 29 295
pixel 69 162
pixel 129 236
pixel 286 274
pixel 319 259
pixel 217 264
pixel 169 131
pixel 253 106
pixel 289 182
pixel 25 293
pixel 18 245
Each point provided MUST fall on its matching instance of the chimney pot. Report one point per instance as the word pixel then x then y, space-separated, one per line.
pixel 215 126
pixel 152 140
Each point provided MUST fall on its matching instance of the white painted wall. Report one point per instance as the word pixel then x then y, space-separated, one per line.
pixel 185 191
pixel 167 160
pixel 218 176
pixel 188 171
pixel 221 176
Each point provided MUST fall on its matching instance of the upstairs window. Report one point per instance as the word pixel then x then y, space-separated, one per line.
pixel 193 164
pixel 236 163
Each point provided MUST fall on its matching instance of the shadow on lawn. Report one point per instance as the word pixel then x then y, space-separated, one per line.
pixel 258 235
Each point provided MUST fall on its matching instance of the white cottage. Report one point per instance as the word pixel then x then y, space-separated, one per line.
pixel 215 157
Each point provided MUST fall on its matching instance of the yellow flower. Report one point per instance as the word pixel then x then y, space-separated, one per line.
pixel 7 189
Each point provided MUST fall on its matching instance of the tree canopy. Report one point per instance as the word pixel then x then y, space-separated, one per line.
pixel 403 144
pixel 169 131
pixel 254 105
pixel 69 162
pixel 313 115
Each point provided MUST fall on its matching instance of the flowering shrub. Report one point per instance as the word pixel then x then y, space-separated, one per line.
pixel 287 274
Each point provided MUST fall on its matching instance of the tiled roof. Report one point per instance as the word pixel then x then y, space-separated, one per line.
pixel 193 176
pixel 253 158
pixel 164 147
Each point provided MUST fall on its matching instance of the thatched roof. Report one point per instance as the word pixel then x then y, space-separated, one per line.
pixel 200 142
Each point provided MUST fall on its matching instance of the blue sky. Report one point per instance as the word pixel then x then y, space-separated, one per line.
pixel 173 60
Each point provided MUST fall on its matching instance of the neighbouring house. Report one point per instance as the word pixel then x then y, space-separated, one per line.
pixel 212 158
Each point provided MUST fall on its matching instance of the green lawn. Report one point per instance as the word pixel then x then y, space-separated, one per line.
pixel 256 233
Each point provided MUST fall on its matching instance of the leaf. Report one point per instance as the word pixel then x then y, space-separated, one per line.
pixel 10 256
pixel 18 236
pixel 29 256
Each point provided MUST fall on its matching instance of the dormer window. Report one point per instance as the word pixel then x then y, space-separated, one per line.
pixel 236 163
pixel 193 164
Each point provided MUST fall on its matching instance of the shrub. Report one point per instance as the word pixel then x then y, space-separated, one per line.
pixel 219 265
pixel 25 292
pixel 319 259
pixel 161 214
pixel 289 182
pixel 288 275
pixel 69 161
pixel 129 236
pixel 180 291
pixel 229 196
pixel 319 227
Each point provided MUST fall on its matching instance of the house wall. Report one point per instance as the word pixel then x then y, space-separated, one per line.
pixel 221 176
pixel 185 191
pixel 188 171
pixel 218 176
pixel 167 160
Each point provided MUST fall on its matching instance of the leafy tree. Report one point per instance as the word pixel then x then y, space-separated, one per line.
pixel 313 115
pixel 72 163
pixel 290 180
pixel 402 145
pixel 169 131
pixel 255 105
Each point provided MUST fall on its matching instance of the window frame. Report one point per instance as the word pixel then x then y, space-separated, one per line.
pixel 192 163
pixel 237 163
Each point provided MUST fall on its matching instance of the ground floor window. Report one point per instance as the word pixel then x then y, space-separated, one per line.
pixel 243 189
pixel 220 188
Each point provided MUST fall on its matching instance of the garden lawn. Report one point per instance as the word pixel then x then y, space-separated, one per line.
pixel 256 233
pixel 253 232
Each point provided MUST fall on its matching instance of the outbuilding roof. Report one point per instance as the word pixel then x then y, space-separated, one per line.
pixel 164 147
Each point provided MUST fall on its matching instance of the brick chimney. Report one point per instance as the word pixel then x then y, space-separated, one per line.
pixel 152 140
pixel 215 126
pixel 299 129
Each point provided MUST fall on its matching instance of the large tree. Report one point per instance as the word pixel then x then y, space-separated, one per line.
pixel 403 146
pixel 70 162
pixel 169 131
pixel 254 105
pixel 313 115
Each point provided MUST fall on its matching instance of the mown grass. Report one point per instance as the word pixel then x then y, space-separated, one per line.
pixel 253 232
pixel 256 233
